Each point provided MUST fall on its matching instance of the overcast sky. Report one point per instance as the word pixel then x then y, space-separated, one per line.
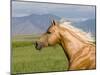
pixel 63 10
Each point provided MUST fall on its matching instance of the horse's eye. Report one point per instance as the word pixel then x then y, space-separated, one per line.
pixel 49 32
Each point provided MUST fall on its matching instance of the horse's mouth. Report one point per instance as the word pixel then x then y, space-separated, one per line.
pixel 38 45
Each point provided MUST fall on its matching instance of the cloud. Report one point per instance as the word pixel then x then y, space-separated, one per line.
pixel 28 8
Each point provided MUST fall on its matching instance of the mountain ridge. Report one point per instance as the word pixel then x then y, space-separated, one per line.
pixel 37 24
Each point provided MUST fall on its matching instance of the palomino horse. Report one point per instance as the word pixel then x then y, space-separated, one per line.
pixel 76 44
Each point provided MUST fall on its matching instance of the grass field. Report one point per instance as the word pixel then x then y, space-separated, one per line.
pixel 26 59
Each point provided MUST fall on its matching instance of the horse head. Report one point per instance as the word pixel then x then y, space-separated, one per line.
pixel 50 37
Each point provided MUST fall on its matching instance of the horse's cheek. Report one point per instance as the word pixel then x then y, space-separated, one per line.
pixel 52 40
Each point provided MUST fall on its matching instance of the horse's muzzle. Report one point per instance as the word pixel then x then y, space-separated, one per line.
pixel 38 45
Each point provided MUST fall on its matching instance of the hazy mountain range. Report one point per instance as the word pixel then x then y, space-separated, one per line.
pixel 88 26
pixel 31 24
pixel 35 24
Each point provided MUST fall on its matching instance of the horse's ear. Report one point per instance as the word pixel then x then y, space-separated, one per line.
pixel 54 22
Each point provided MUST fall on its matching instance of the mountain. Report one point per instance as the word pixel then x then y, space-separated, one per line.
pixel 31 24
pixel 87 25
pixel 37 24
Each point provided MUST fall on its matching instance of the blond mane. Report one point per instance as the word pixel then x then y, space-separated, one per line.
pixel 83 35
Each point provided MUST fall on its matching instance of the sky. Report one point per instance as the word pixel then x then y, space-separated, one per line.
pixel 20 9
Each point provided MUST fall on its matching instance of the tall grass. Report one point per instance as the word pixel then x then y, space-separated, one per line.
pixel 26 59
pixel 21 43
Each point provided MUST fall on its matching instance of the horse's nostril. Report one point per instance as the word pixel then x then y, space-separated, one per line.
pixel 35 44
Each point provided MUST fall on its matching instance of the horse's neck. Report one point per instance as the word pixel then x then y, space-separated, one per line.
pixel 70 44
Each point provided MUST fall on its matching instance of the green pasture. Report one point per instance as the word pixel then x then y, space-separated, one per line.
pixel 26 59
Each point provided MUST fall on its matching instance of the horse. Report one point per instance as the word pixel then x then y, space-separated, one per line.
pixel 78 45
